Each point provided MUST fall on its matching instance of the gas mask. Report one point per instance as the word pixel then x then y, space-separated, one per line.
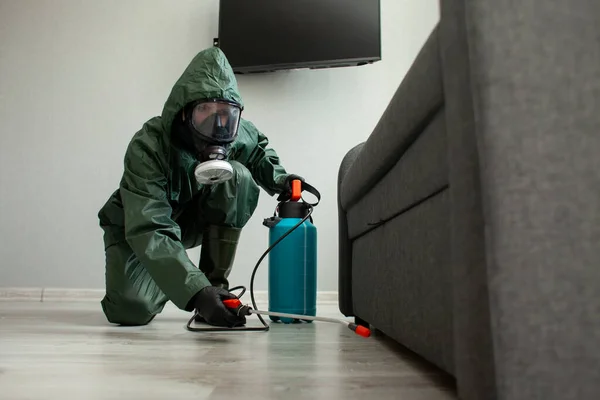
pixel 209 127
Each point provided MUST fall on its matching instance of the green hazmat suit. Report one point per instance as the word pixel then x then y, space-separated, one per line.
pixel 159 210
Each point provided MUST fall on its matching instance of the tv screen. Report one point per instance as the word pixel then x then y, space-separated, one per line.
pixel 269 35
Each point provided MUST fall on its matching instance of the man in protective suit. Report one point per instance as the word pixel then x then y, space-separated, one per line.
pixel 191 177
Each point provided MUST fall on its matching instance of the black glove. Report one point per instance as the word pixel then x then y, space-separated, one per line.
pixel 286 189
pixel 209 303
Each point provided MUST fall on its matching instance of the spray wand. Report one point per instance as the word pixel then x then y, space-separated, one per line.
pixel 240 309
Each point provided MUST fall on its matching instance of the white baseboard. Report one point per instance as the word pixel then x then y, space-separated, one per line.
pixel 58 294
pixel 21 294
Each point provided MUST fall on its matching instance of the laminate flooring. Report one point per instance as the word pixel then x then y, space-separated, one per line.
pixel 60 350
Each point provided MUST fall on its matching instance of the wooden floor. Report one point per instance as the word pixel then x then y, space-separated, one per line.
pixel 68 351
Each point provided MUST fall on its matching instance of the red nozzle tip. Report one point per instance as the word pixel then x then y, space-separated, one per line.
pixel 363 331
pixel 232 303
pixel 360 330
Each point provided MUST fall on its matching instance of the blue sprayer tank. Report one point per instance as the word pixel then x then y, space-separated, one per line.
pixel 292 262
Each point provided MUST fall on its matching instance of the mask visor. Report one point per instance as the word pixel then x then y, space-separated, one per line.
pixel 216 121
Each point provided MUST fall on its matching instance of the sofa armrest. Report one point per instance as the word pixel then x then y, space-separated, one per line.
pixel 345 245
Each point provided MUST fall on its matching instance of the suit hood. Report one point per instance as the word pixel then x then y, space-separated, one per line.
pixel 208 75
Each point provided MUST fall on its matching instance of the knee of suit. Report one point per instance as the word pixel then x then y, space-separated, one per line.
pixel 241 175
pixel 128 312
pixel 232 203
pixel 241 191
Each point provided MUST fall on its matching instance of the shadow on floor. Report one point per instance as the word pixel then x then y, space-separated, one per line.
pixel 95 317
pixel 70 317
pixel 438 376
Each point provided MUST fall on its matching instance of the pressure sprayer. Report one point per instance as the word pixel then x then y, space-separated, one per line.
pixel 292 268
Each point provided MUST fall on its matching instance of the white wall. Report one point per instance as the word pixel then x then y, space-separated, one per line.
pixel 78 78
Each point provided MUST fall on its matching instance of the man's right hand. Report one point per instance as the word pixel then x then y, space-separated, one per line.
pixel 209 303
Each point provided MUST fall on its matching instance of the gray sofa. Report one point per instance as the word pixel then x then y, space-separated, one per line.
pixel 469 221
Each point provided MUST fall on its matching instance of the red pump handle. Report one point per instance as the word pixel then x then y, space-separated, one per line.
pixel 296 193
pixel 296 190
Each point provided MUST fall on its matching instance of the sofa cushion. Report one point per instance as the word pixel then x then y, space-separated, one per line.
pixel 417 99
pixel 419 174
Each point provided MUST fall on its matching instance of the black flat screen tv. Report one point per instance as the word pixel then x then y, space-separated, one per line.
pixel 270 35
